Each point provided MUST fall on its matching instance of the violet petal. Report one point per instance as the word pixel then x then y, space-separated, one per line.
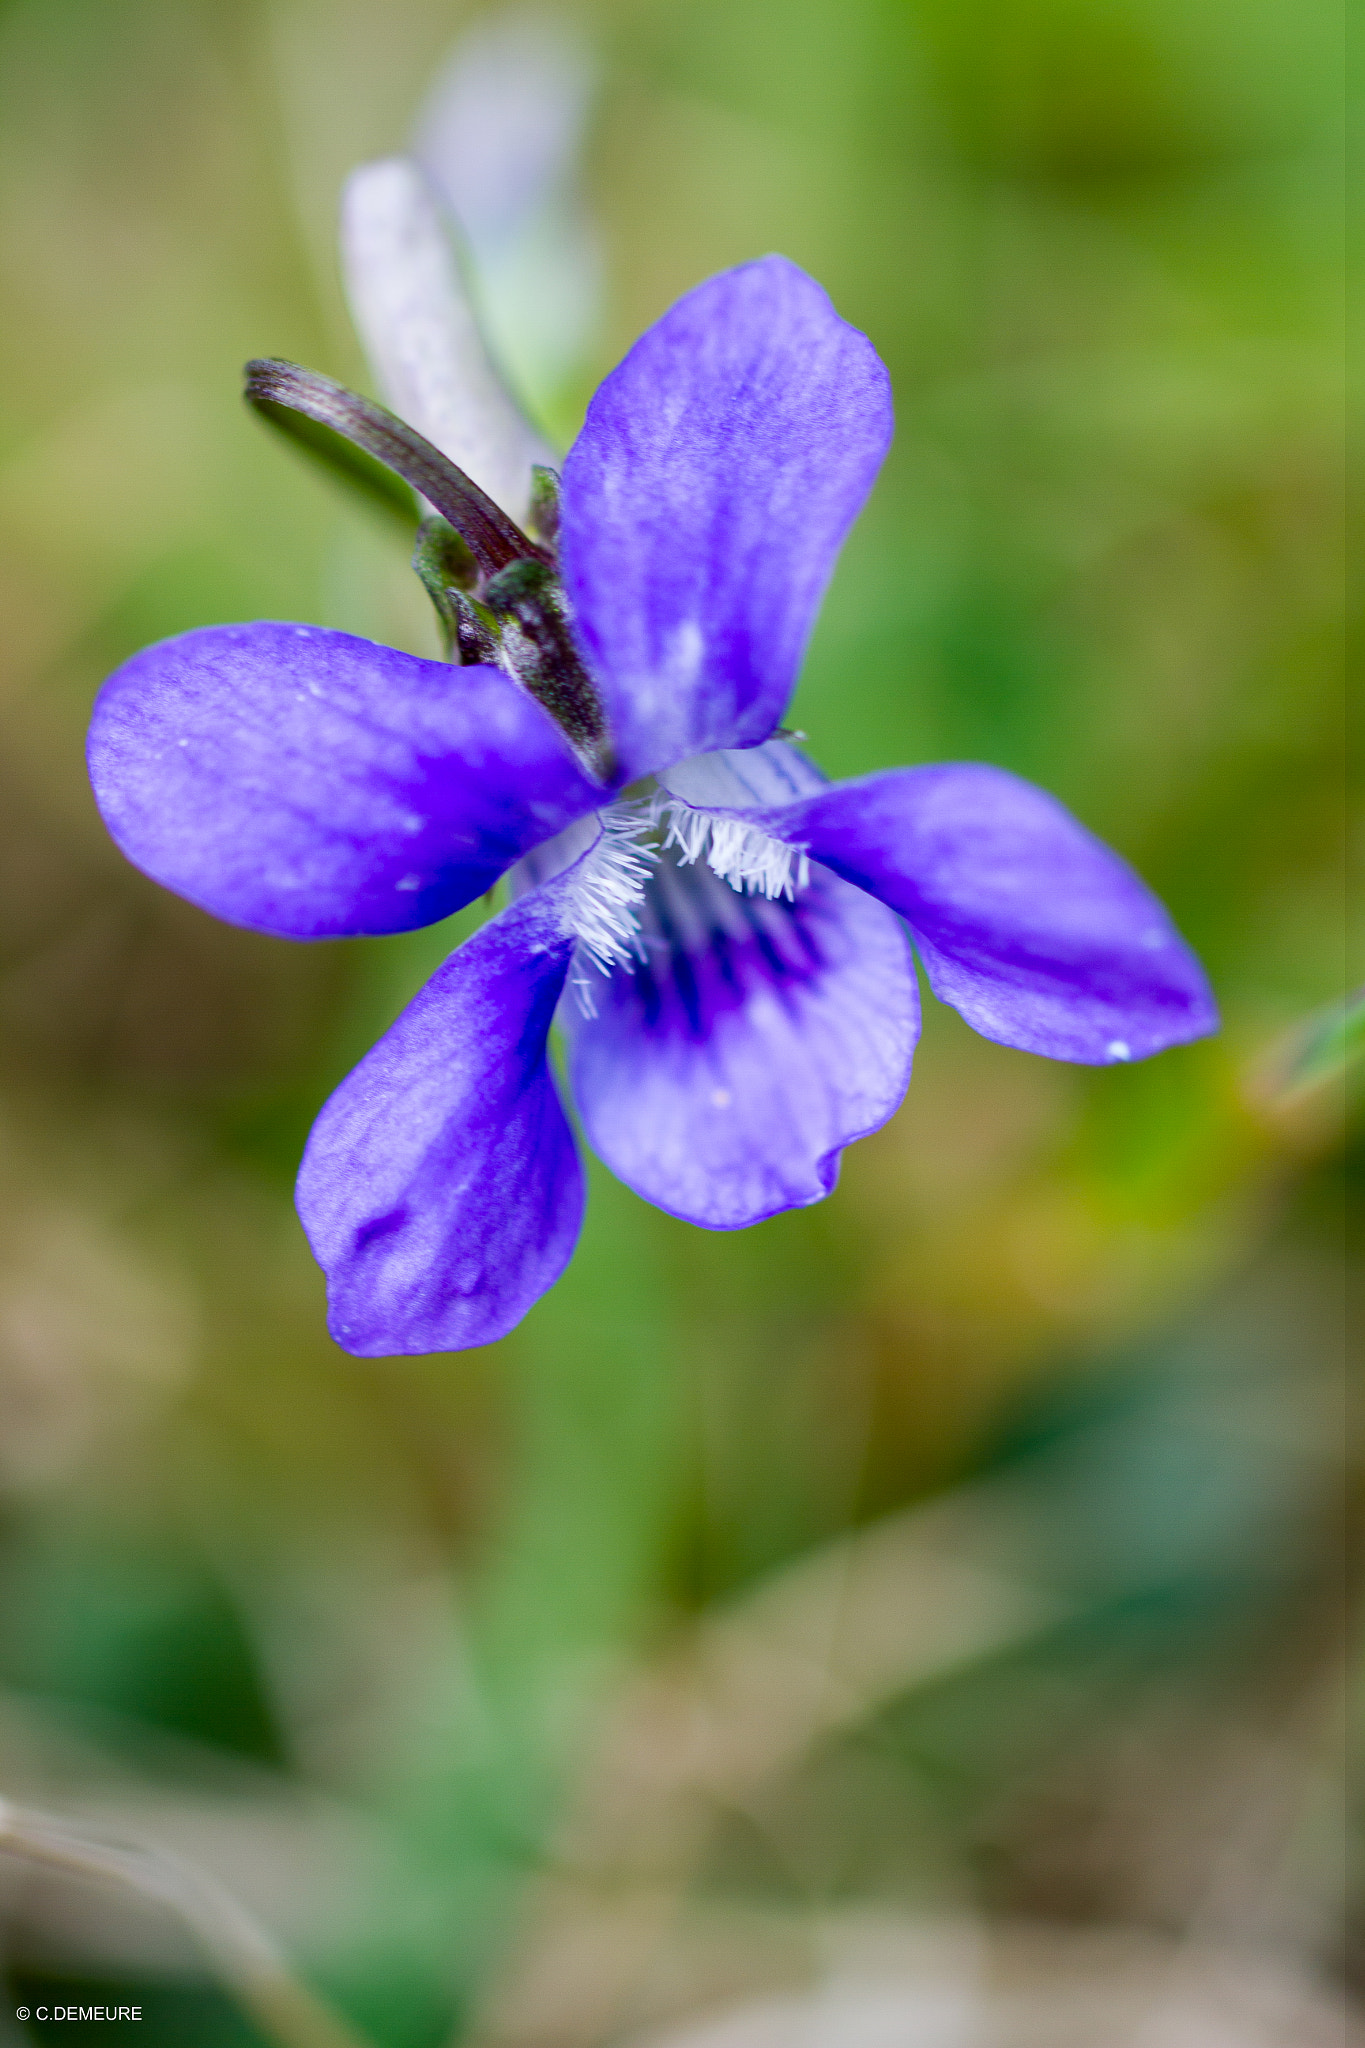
pixel 1028 925
pixel 705 501
pixel 310 784
pixel 723 1073
pixel 440 1188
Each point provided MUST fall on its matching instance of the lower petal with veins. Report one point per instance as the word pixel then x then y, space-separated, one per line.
pixel 440 1188
pixel 725 1069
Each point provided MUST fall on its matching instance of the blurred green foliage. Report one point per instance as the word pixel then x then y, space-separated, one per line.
pixel 1095 241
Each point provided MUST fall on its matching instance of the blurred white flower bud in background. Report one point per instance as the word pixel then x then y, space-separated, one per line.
pixel 501 138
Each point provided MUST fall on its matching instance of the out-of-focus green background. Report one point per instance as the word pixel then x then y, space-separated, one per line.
pixel 938 1589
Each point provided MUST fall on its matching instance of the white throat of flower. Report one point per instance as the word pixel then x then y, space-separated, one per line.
pixel 609 887
pixel 741 853
pixel 612 877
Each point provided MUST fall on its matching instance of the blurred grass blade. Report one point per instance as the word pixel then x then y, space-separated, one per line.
pixel 1328 1046
pixel 243 1954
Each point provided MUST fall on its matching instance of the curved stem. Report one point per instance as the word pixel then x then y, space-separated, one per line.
pixel 280 389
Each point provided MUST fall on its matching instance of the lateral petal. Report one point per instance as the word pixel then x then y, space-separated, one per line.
pixel 724 1071
pixel 704 503
pixel 314 785
pixel 440 1188
pixel 1028 925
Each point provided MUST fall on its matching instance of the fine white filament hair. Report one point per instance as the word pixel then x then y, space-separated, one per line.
pixel 749 859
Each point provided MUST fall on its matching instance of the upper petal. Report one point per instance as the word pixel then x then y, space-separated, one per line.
pixel 723 1071
pixel 704 502
pixel 311 784
pixel 1030 927
pixel 440 1188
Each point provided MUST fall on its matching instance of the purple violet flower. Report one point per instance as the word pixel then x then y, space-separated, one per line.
pixel 723 935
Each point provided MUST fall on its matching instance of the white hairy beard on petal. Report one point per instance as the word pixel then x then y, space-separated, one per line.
pixel 635 890
pixel 631 880
pixel 749 859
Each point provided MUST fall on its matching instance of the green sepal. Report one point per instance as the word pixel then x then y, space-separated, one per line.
pixel 537 644
pixel 450 575
pixel 443 558
pixel 520 584
pixel 544 520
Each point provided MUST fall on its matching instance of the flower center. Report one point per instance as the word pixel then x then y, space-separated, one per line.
pixel 644 846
